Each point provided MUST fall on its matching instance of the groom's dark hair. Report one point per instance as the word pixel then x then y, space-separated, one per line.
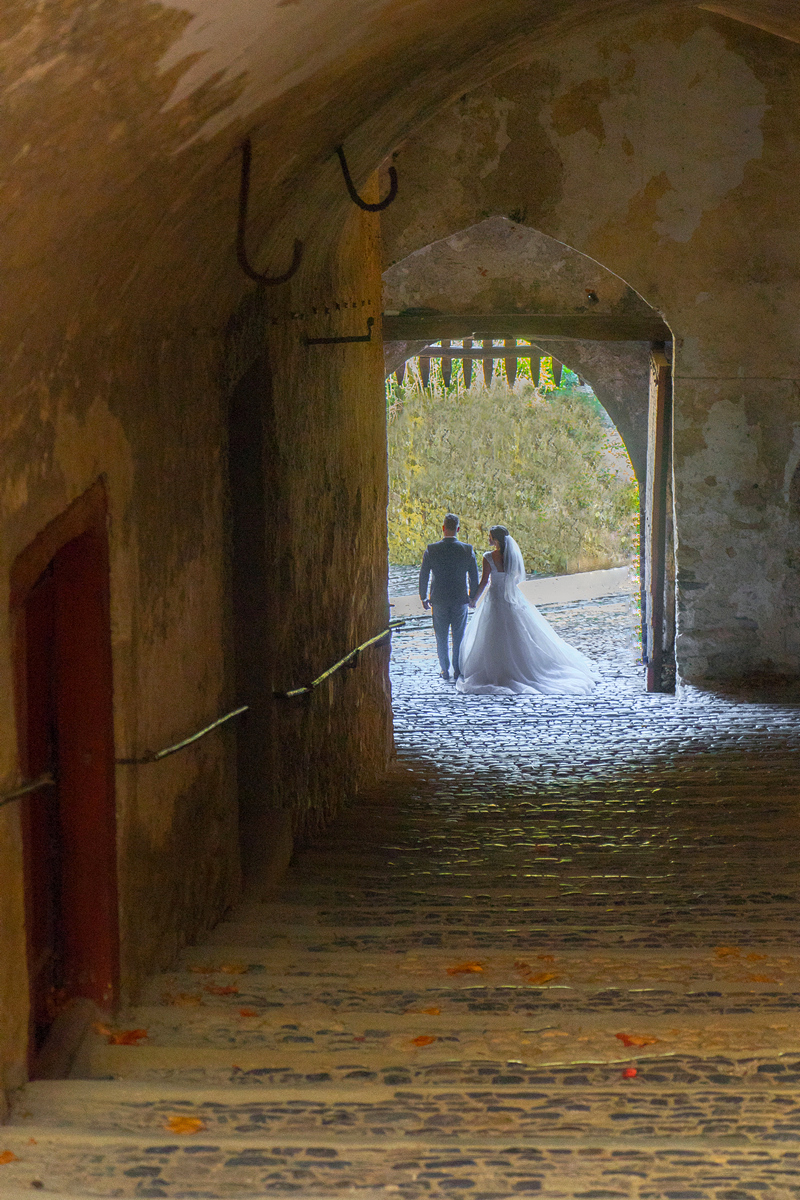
pixel 451 523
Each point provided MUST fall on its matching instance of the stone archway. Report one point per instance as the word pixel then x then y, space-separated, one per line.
pixel 498 268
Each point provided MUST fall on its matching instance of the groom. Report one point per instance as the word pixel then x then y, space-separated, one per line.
pixel 451 561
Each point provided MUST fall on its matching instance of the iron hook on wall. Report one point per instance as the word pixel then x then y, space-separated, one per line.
pixel 354 196
pixel 337 341
pixel 241 248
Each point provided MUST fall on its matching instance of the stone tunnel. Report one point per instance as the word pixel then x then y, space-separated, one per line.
pixel 197 324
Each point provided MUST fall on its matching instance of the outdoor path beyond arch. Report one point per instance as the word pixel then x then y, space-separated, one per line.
pixel 554 953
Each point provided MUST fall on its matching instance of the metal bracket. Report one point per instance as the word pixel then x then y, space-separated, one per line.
pixel 241 229
pixel 354 196
pixel 337 341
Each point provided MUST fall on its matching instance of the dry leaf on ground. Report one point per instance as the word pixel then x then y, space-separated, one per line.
pixel 631 1039
pixel 248 1012
pixel 8 1156
pixel 466 968
pixel 121 1037
pixel 424 1039
pixel 233 968
pixel 178 1124
pixel 761 979
pixel 727 951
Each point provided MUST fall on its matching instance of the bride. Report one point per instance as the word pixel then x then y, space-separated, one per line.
pixel 509 647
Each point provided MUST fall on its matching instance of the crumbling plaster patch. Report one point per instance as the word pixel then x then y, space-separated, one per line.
pixel 618 148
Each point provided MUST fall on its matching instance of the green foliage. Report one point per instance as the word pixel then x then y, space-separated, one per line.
pixel 543 461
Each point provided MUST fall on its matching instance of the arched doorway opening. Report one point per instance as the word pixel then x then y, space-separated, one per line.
pixel 502 293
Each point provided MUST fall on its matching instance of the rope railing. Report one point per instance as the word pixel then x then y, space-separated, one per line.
pixel 31 785
pixel 157 755
pixel 349 660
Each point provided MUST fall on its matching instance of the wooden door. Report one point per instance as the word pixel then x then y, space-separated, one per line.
pixel 69 831
pixel 40 817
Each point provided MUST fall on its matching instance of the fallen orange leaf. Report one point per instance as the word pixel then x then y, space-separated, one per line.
pixel 629 1039
pixel 424 1039
pixel 727 951
pixel 431 1012
pixel 121 1037
pixel 233 968
pixel 630 1073
pixel 542 977
pixel 466 968
pixel 756 957
pixel 248 1012
pixel 8 1157
pixel 216 990
pixel 127 1037
pixel 761 979
pixel 184 1124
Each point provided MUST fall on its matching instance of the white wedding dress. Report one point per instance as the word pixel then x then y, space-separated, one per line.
pixel 509 648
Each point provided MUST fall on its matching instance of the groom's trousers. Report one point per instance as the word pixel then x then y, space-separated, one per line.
pixel 447 617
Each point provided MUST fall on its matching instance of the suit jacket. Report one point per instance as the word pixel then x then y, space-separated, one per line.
pixel 451 561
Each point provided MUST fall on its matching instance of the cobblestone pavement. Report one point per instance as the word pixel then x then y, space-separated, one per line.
pixel 554 953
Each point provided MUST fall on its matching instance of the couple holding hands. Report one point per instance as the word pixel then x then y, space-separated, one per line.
pixel 509 648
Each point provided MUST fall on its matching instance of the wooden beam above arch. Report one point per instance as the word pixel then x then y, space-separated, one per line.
pixel 601 327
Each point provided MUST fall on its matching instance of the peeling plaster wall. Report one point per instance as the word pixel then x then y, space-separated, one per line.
pixel 119 278
pixel 129 411
pixel 668 151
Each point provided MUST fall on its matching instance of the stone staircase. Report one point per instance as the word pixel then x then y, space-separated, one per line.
pixel 388 1026
pixel 567 969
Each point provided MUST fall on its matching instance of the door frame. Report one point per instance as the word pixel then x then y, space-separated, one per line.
pixel 96 931
pixel 658 609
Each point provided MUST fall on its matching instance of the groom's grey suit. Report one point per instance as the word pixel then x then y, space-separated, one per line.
pixel 451 563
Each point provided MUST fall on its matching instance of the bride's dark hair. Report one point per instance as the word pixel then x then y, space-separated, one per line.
pixel 500 533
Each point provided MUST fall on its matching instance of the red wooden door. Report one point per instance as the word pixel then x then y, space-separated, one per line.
pixel 70 838
pixel 41 829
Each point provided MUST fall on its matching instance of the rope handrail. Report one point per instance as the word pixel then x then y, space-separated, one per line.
pixel 47 780
pixel 157 755
pixel 349 660
pixel 30 785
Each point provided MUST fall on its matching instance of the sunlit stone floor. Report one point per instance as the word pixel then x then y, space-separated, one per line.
pixel 554 953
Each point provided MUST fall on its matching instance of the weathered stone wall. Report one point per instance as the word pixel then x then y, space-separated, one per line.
pixel 142 412
pixel 324 524
pixel 668 151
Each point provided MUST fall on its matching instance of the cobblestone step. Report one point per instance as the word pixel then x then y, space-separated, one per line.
pixel 732 1102
pixel 113 1166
